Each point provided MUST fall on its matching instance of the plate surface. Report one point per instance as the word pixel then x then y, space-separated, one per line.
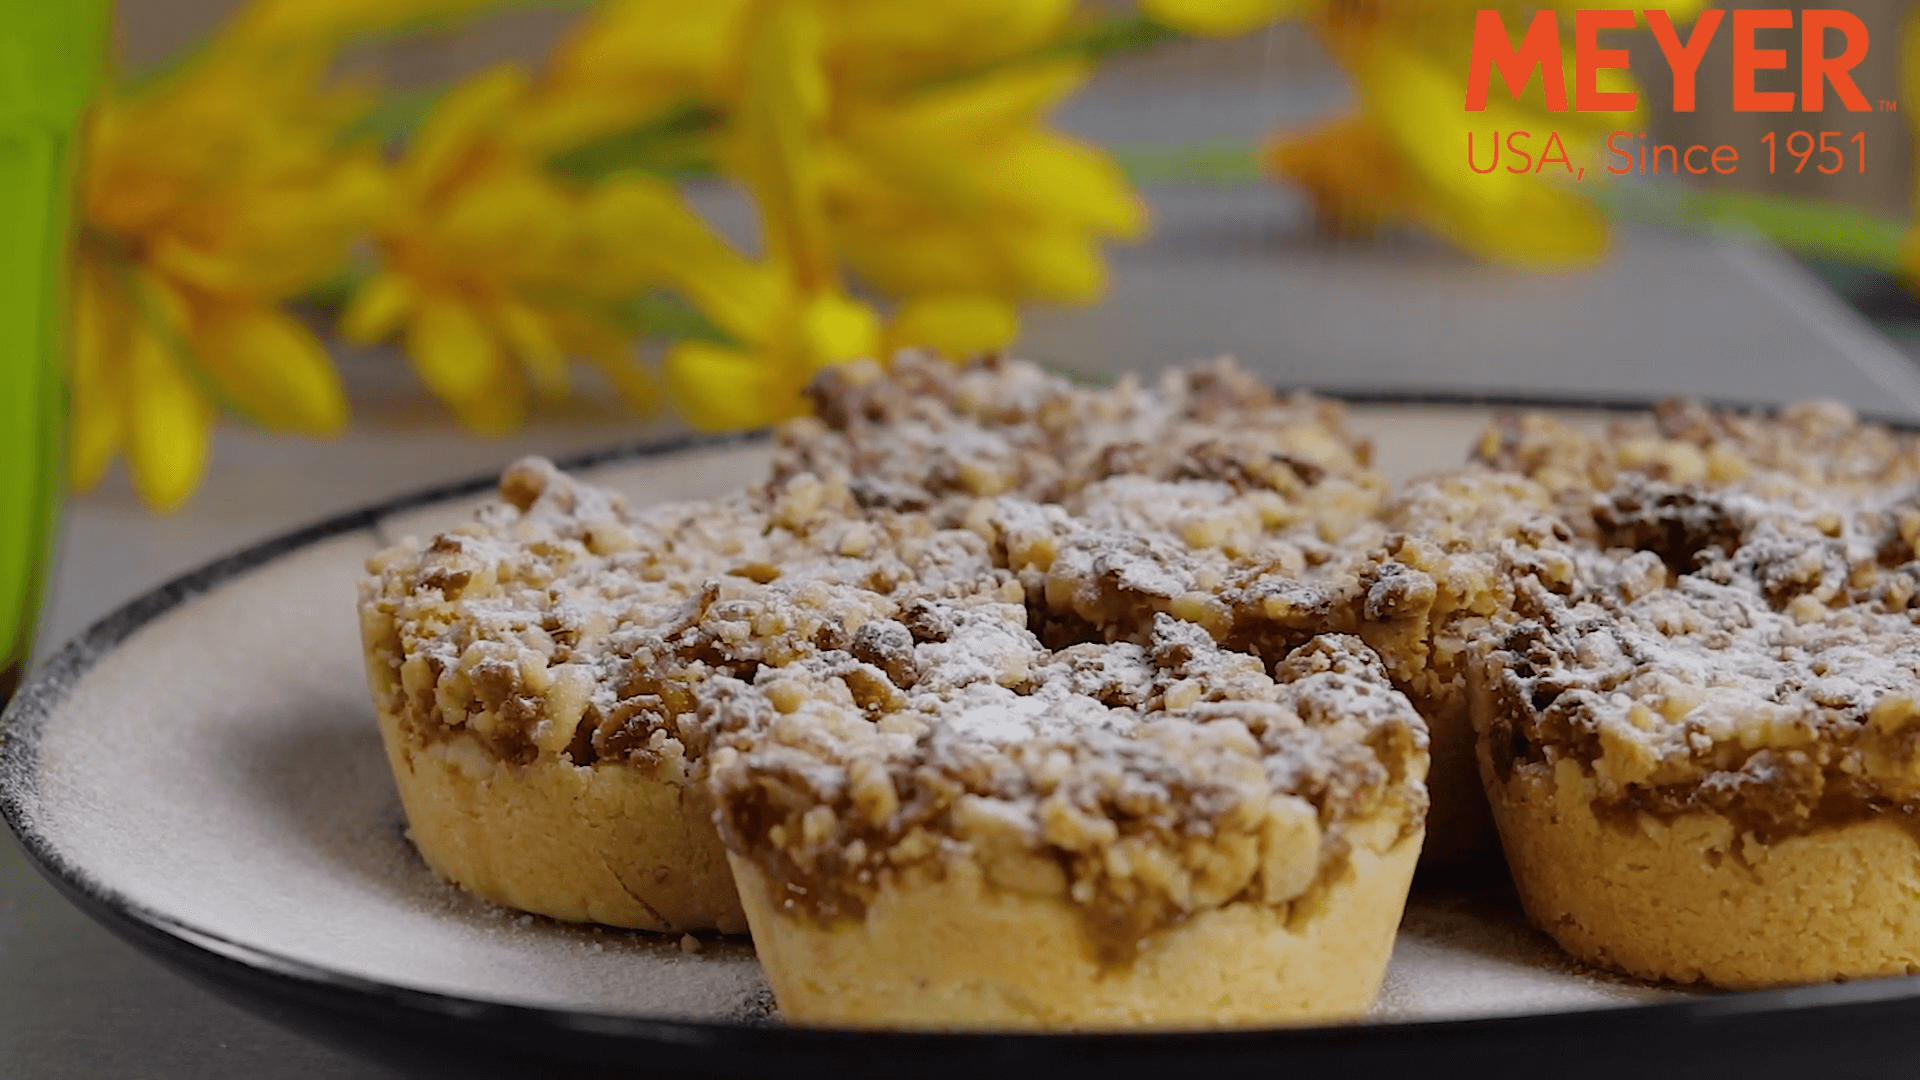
pixel 202 772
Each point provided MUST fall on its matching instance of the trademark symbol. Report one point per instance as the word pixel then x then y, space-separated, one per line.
pixel 1889 106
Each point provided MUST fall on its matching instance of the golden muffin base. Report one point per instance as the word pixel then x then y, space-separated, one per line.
pixel 956 951
pixel 1690 900
pixel 604 844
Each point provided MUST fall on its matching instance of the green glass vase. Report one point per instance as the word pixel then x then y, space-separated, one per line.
pixel 50 56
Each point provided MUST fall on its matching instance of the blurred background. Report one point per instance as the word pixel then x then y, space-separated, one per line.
pixel 1220 207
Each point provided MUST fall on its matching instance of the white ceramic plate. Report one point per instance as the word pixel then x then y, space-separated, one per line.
pixel 202 772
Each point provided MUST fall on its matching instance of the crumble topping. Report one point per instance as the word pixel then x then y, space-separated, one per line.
pixel 1742 643
pixel 1818 445
pixel 926 435
pixel 1143 781
pixel 519 627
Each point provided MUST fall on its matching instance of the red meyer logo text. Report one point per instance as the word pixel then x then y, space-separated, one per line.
pixel 1540 51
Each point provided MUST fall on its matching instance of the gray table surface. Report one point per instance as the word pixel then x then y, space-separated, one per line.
pixel 1229 270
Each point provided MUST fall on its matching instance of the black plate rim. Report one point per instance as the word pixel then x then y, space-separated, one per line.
pixel 47 687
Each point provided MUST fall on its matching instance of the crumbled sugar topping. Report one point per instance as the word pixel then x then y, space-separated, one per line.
pixel 1220 778
pixel 928 436
pixel 1742 643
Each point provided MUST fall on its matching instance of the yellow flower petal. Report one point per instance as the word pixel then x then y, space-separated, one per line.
pixel 886 46
pixel 273 368
pixel 613 353
pixel 377 309
pixel 996 103
pixel 834 329
pixel 469 109
pixel 1410 95
pixel 275 242
pixel 784 103
pixel 721 389
pixel 460 361
pixel 1059 264
pixel 168 424
pixel 97 378
pixel 742 297
pixel 535 345
pixel 652 54
pixel 923 254
pixel 1068 182
pixel 1223 18
pixel 956 326
pixel 1357 181
pixel 1541 228
pixel 512 221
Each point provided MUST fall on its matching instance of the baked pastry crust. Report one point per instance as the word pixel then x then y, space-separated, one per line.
pixel 993 657
pixel 915 958
pixel 604 843
pixel 1696 898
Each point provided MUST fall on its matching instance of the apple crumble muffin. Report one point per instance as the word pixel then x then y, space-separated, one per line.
pixel 1010 702
pixel 540 763
pixel 966 827
pixel 1703 747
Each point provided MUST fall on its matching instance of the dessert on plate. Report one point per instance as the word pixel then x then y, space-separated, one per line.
pixel 1008 702
pixel 554 683
pixel 971 829
pixel 519 734
pixel 1703 747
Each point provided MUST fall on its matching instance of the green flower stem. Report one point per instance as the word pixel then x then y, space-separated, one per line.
pixel 1802 226
pixel 49 57
pixel 1195 163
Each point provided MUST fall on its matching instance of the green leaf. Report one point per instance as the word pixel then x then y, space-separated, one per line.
pixel 397 115
pixel 1115 37
pixel 677 145
pixel 1211 163
pixel 669 315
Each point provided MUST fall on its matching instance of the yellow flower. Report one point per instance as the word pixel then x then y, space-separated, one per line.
pixel 491 268
pixel 906 142
pixel 206 202
pixel 941 183
pixel 789 315
pixel 633 60
pixel 1403 156
pixel 957 189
